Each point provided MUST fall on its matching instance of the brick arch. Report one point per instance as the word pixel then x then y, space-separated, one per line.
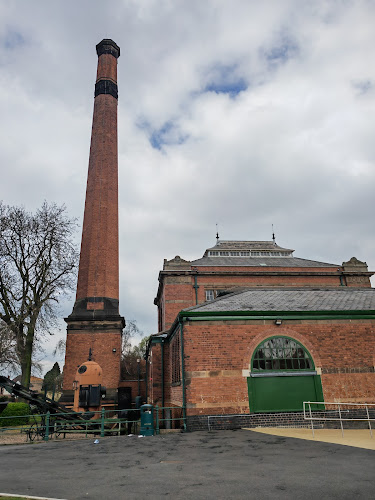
pixel 282 332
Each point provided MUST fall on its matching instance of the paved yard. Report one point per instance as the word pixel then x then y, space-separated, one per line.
pixel 360 438
pixel 199 465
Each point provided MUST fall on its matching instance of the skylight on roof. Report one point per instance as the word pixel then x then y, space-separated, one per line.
pixel 227 253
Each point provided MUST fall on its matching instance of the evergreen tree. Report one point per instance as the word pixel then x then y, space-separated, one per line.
pixel 50 378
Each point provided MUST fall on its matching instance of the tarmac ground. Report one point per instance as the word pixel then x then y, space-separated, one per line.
pixel 199 465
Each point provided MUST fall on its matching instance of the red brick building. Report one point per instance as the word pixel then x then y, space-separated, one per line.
pixel 249 328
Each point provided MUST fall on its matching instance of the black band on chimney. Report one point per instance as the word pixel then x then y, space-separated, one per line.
pixel 108 46
pixel 106 87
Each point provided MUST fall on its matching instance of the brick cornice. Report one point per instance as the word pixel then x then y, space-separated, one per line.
pixel 108 46
pixel 263 272
pixel 107 87
pixel 83 325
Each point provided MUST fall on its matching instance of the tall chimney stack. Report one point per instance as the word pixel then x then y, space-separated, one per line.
pixel 95 321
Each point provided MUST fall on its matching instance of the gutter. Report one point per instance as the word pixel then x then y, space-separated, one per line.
pixel 162 378
pixel 196 288
pixel 210 315
pixel 183 372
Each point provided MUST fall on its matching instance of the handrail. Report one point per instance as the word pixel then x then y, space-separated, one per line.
pixel 339 408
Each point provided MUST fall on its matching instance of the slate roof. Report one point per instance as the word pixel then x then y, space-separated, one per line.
pixel 293 299
pixel 259 261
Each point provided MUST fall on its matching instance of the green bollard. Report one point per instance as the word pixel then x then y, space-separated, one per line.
pixel 157 419
pixel 46 435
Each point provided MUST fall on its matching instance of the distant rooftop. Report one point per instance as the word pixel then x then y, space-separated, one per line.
pixel 253 253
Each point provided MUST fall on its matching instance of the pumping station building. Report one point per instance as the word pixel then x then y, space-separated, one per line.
pixel 250 330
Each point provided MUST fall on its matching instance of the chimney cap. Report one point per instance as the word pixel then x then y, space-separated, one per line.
pixel 108 46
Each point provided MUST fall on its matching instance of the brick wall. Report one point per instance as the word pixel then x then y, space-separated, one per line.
pixel 133 384
pixel 232 421
pixel 216 352
pixel 283 420
pixel 178 294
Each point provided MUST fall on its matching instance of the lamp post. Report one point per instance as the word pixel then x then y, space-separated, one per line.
pixel 139 376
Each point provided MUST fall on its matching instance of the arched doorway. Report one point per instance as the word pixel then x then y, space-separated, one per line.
pixel 282 376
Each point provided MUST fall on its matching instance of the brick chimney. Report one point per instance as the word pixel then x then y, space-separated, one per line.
pixel 95 321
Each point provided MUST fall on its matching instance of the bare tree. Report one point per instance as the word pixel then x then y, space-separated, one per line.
pixel 131 356
pixel 131 329
pixel 8 357
pixel 38 262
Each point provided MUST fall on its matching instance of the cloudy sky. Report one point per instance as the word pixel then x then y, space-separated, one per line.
pixel 240 113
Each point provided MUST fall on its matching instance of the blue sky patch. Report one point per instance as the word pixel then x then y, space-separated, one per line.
pixel 168 134
pixel 363 86
pixel 13 39
pixel 281 52
pixel 231 88
pixel 225 79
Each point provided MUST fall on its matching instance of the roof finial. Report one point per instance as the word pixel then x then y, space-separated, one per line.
pixel 217 234
pixel 273 236
pixel 90 355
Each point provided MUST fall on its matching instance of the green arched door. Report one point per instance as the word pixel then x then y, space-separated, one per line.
pixel 282 376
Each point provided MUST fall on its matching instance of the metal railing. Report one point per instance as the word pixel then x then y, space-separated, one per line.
pixel 47 426
pixel 167 420
pixel 43 427
pixel 338 412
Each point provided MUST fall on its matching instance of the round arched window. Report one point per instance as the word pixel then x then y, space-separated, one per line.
pixel 281 353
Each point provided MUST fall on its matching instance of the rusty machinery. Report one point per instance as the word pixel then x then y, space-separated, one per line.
pixel 88 394
pixel 43 405
pixel 88 388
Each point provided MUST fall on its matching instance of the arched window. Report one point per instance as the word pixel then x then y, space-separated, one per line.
pixel 281 353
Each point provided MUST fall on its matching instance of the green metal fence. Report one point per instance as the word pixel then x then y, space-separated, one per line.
pixel 43 427
pixel 49 426
pixel 162 420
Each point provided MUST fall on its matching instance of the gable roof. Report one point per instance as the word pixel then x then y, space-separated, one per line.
pixel 292 299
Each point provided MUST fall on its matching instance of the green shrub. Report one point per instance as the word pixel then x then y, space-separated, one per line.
pixel 17 413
